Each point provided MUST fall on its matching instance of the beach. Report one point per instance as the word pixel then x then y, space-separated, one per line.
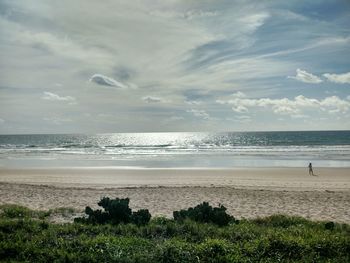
pixel 246 192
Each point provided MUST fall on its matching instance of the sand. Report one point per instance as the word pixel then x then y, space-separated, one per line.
pixel 247 193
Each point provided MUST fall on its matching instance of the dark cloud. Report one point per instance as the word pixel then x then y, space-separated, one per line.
pixel 107 81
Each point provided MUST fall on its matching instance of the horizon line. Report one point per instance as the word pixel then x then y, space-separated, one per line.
pixel 100 133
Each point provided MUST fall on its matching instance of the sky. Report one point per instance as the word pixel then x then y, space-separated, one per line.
pixel 88 66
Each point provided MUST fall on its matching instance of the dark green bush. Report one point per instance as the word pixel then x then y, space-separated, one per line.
pixel 116 211
pixel 329 225
pixel 205 213
pixel 141 217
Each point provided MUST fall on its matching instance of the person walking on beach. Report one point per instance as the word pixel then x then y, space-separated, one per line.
pixel 311 172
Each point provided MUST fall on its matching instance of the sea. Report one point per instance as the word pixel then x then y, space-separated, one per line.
pixel 177 150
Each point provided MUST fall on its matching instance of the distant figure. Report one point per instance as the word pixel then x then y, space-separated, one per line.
pixel 311 172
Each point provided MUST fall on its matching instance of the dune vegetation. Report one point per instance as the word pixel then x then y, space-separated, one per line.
pixel 199 234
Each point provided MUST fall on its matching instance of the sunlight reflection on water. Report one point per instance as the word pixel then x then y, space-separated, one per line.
pixel 179 149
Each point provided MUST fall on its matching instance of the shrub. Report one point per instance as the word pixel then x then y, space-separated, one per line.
pixel 176 251
pixel 215 250
pixel 205 213
pixel 141 217
pixel 116 211
pixel 329 225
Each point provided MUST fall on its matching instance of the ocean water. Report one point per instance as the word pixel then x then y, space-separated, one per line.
pixel 176 150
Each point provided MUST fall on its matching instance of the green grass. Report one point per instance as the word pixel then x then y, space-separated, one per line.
pixel 17 211
pixel 27 236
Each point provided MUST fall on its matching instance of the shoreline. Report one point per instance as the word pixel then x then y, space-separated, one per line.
pixel 334 179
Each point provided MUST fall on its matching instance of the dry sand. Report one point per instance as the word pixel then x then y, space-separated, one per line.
pixel 247 193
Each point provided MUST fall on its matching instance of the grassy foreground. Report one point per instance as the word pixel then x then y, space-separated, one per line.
pixel 26 235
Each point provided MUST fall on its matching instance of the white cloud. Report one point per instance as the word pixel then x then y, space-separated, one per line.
pixel 105 43
pixel 282 109
pixel 244 118
pixel 335 104
pixel 104 115
pixel 238 94
pixel 2 120
pixel 338 78
pixel 240 109
pixel 254 21
pixel 306 77
pixel 294 107
pixel 152 99
pixel 57 120
pixel 107 81
pixel 54 97
pixel 176 118
pixel 319 43
pixel 189 15
pixel 193 102
pixel 199 113
pixel 240 118
pixel 299 116
pixel 60 46
pixel 174 50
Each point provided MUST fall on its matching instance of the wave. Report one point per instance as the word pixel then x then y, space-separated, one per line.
pixel 175 150
pixel 326 145
pixel 78 146
pixel 139 146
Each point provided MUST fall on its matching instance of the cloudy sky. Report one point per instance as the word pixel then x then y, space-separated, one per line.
pixel 136 66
